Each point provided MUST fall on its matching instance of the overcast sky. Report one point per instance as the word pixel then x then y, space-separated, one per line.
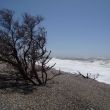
pixel 75 28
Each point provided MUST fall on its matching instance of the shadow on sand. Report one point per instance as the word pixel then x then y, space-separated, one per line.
pixel 10 84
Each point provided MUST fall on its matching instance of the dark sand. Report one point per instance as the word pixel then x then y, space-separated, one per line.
pixel 64 92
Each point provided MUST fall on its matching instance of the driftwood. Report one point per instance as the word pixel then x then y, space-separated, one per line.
pixel 89 76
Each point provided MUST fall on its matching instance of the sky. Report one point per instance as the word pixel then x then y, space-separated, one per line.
pixel 75 28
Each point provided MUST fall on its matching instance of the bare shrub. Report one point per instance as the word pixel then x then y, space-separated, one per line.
pixel 22 44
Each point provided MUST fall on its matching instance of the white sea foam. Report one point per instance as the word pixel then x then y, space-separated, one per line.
pixel 101 67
